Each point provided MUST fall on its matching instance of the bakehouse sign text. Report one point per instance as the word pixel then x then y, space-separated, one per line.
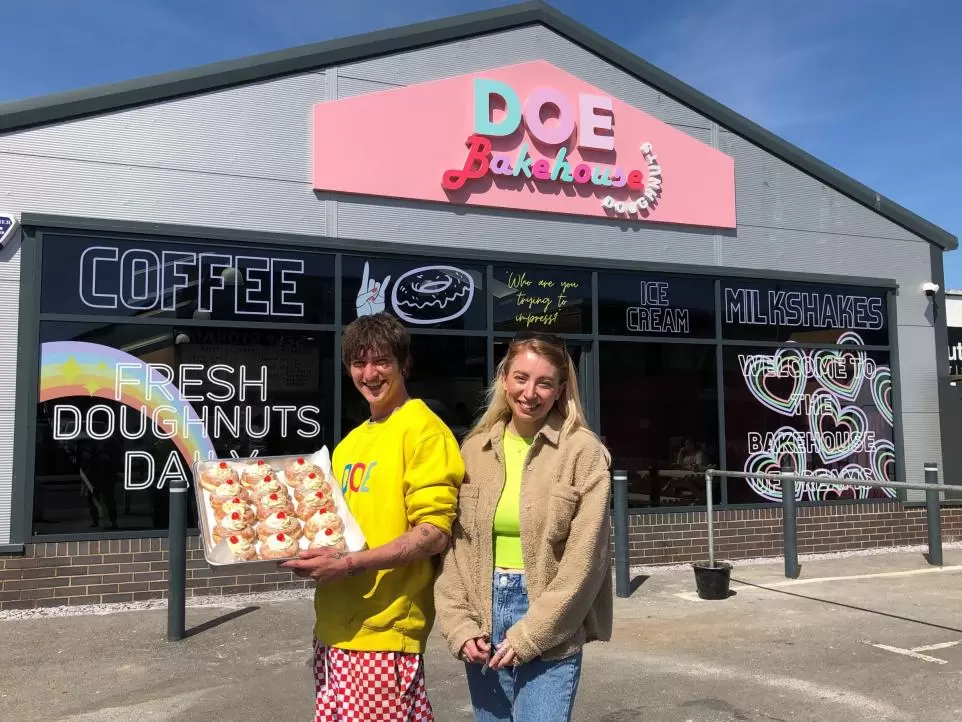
pixel 552 118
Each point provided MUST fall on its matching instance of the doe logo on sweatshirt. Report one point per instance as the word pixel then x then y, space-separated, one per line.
pixel 356 476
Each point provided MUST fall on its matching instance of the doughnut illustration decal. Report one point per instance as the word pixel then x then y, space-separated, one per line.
pixel 432 294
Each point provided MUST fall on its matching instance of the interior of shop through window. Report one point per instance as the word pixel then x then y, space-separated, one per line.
pixel 659 418
pixel 806 368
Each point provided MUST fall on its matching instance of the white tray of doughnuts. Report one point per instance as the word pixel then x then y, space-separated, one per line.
pixel 268 509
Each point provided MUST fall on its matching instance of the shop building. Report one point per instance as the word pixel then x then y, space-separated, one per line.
pixel 188 248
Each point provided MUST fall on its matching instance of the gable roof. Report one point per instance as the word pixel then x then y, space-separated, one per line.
pixel 45 110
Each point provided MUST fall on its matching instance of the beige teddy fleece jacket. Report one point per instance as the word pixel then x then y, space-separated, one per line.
pixel 565 542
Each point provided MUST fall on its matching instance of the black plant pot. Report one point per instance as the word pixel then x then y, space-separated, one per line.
pixel 713 582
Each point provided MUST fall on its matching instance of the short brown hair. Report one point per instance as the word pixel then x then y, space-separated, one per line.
pixel 379 333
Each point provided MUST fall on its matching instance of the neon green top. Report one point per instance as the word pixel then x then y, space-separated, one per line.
pixel 507 521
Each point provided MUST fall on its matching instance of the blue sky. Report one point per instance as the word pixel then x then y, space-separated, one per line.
pixel 868 86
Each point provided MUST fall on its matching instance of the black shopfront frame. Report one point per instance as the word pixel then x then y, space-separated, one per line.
pixel 35 226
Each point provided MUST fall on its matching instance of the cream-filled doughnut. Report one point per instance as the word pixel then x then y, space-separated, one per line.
pixel 279 546
pixel 235 504
pixel 296 470
pixel 241 548
pixel 216 473
pixel 278 522
pixel 311 483
pixel 272 503
pixel 311 505
pixel 229 489
pixel 270 484
pixel 322 521
pixel 233 524
pixel 329 539
pixel 254 472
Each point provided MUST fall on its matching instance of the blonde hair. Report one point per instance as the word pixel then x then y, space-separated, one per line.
pixel 568 403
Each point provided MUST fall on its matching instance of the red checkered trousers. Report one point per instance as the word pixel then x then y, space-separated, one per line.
pixel 369 686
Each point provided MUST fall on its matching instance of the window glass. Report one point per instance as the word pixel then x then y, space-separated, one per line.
pixel 123 409
pixel 152 279
pixel 641 304
pixel 803 313
pixel 420 292
pixel 659 419
pixel 447 372
pixel 824 412
pixel 541 299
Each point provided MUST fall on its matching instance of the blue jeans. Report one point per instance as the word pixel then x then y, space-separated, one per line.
pixel 536 691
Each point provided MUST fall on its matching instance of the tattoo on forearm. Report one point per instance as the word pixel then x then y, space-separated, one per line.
pixel 424 539
pixel 431 539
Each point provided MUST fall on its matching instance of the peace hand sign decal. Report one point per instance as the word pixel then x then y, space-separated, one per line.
pixel 370 297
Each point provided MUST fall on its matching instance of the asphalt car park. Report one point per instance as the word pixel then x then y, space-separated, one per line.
pixel 863 637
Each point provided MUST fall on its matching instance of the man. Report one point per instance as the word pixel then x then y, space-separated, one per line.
pixel 400 472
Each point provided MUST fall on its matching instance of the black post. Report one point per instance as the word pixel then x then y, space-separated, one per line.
pixel 177 560
pixel 933 516
pixel 622 573
pixel 789 523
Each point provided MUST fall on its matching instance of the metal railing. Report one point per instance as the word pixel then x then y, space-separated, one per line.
pixel 177 529
pixel 788 481
pixel 789 513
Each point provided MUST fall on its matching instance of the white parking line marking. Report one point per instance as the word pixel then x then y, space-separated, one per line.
pixel 909 653
pixel 933 647
pixel 761 586
pixel 876 575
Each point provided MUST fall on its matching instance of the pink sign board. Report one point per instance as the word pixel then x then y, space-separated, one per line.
pixel 526 137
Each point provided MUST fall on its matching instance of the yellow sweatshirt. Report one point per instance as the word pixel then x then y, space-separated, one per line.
pixel 395 473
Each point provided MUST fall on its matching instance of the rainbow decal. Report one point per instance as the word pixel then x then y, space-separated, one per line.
pixel 76 368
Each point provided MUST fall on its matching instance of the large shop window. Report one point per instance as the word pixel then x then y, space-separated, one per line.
pixel 659 418
pixel 126 408
pixel 422 294
pixel 149 279
pixel 448 373
pixel 826 412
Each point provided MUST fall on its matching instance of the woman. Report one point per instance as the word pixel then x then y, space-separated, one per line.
pixel 526 580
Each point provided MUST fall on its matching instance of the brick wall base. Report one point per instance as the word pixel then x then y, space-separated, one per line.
pixel 129 570
pixel 117 570
pixel 671 538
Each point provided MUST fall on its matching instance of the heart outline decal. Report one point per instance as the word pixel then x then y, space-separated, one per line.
pixel 824 405
pixel 786 441
pixel 818 490
pixel 835 488
pixel 855 471
pixel 882 393
pixel 761 368
pixel 828 358
pixel 883 461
